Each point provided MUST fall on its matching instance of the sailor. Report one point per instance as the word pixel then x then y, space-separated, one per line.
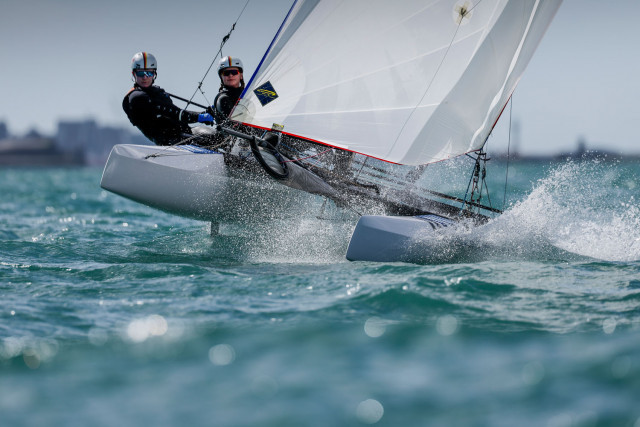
pixel 231 86
pixel 150 108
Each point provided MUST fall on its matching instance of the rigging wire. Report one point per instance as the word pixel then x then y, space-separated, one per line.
pixel 199 88
pixel 362 167
pixel 477 184
pixel 224 40
pixel 506 177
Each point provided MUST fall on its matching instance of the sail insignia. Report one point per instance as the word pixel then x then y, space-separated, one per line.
pixel 265 93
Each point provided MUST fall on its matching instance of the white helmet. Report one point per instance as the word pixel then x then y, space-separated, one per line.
pixel 227 62
pixel 144 61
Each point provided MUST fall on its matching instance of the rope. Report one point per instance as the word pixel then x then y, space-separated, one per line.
pixel 308 157
pixel 166 147
pixel 162 151
pixel 224 40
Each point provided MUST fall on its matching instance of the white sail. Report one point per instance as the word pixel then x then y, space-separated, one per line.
pixel 408 81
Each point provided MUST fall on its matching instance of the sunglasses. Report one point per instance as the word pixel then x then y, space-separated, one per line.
pixel 145 73
pixel 230 72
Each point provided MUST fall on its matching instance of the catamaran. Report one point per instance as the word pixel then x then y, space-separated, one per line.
pixel 352 102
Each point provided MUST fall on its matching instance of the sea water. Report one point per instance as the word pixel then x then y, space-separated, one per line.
pixel 114 314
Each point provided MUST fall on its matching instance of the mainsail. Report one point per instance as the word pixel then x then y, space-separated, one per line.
pixel 409 82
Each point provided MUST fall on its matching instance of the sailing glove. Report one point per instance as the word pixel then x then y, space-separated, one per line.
pixel 205 118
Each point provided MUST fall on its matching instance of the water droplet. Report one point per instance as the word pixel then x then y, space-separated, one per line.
pixel 31 358
pixel 370 411
pixel 374 327
pixel 222 354
pixel 609 325
pixel 447 325
pixel 141 329
pixel 11 347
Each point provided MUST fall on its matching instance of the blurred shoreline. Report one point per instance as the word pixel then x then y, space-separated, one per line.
pixel 76 143
pixel 85 143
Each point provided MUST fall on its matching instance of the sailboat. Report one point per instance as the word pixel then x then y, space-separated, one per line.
pixel 350 102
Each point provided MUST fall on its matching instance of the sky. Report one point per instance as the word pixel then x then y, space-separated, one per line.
pixel 70 60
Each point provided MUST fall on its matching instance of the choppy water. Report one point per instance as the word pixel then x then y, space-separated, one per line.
pixel 112 313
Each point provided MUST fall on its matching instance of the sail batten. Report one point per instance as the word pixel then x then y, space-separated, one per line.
pixel 408 82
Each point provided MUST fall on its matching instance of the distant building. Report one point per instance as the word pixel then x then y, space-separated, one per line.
pixel 581 147
pixel 94 141
pixel 97 151
pixel 4 132
pixel 35 150
pixel 76 135
pixel 582 152
pixel 81 142
pixel 33 134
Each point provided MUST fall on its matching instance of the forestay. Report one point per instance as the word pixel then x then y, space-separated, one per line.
pixel 410 82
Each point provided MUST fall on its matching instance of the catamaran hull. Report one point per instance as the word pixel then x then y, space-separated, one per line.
pixel 197 183
pixel 395 238
pixel 174 181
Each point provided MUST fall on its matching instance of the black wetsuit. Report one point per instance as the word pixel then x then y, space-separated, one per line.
pixel 225 101
pixel 152 111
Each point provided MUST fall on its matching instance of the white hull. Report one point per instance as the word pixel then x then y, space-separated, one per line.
pixel 197 185
pixel 394 238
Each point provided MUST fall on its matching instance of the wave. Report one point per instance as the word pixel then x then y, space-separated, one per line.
pixel 587 208
pixel 579 211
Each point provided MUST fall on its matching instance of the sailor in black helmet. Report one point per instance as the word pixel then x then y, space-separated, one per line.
pixel 231 86
pixel 150 108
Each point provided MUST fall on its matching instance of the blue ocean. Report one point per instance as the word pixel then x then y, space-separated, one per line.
pixel 115 314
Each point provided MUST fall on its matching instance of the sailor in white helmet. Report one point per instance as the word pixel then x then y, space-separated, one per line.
pixel 231 86
pixel 150 108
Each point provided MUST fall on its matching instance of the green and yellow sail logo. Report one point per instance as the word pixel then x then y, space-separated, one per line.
pixel 265 93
